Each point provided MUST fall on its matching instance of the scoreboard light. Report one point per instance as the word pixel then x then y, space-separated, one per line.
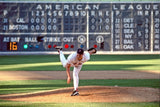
pixel 95 46
pixel 37 46
pixel 81 46
pixel 49 46
pixel 66 46
pixel 72 46
pixel 54 46
pixel 25 46
pixel 30 46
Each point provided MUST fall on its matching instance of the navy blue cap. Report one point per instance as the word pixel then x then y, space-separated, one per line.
pixel 80 51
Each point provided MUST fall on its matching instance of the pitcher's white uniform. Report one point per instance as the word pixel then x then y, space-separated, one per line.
pixel 74 63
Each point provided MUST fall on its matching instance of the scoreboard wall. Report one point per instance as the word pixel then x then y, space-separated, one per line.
pixel 108 27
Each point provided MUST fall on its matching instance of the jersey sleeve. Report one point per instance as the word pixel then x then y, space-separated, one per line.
pixel 70 59
pixel 87 56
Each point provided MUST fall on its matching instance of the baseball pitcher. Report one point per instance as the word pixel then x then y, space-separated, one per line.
pixel 75 60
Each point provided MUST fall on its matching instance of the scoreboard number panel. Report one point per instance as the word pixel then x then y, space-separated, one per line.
pixel 12 46
pixel 108 27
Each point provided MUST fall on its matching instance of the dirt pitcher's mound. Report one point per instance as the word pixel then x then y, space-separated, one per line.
pixel 91 94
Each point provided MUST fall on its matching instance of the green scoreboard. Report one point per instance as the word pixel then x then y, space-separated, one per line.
pixel 108 27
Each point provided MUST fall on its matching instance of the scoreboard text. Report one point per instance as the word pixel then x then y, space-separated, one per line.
pixel 108 27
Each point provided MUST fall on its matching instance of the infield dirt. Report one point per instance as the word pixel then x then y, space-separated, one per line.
pixel 90 94
pixel 87 93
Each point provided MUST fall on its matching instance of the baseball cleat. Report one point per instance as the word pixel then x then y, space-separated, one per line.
pixel 59 48
pixel 75 93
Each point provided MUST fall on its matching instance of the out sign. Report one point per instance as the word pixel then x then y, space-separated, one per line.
pixel 99 39
pixel 81 39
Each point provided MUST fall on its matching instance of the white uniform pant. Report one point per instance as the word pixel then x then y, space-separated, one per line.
pixel 76 70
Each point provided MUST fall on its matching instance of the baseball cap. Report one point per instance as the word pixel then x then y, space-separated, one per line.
pixel 80 51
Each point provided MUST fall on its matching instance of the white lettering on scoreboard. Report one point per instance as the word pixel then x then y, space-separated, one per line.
pixel 105 26
pixel 18 27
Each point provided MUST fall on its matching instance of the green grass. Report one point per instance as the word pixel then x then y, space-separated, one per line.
pixel 21 86
pixel 84 0
pixel 97 62
pixel 24 86
pixel 27 104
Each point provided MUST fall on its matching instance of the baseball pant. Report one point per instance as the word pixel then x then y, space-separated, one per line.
pixel 76 70
pixel 63 59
